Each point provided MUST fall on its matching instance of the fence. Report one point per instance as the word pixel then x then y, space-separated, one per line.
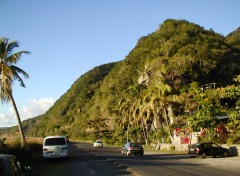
pixel 234 150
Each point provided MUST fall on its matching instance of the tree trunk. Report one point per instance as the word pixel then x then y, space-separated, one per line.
pixel 22 137
pixel 170 113
pixel 145 135
pixel 166 119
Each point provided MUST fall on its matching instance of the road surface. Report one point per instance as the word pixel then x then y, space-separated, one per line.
pixel 108 161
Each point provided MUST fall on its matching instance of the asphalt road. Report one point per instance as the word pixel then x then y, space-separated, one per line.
pixel 80 162
pixel 155 163
pixel 108 161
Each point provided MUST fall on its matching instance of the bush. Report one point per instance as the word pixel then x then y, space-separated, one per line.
pixel 35 147
pixel 14 147
pixel 172 147
pixel 3 146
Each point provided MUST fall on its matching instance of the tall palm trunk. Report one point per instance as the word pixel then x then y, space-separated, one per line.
pixel 170 113
pixel 145 133
pixel 166 119
pixel 22 137
pixel 157 125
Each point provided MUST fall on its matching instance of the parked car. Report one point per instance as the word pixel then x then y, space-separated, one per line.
pixel 10 166
pixel 98 143
pixel 134 148
pixel 207 149
pixel 55 147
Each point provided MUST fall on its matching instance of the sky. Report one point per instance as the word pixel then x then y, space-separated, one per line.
pixel 67 38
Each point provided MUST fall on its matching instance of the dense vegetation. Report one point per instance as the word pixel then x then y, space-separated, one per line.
pixel 181 75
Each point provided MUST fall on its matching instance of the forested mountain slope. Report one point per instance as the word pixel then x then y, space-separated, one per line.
pixel 234 38
pixel 146 91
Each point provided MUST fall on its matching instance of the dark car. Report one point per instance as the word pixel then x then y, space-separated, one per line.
pixel 207 149
pixel 134 148
pixel 10 166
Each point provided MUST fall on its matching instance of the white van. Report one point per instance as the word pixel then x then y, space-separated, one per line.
pixel 55 147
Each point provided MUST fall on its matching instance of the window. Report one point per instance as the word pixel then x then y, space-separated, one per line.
pixel 135 145
pixel 215 145
pixel 2 170
pixel 55 141
pixel 15 169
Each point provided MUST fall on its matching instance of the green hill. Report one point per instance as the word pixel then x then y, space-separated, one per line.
pixel 138 92
pixel 234 38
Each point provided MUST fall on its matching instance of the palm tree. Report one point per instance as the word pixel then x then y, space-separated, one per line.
pixel 160 99
pixel 151 114
pixel 9 73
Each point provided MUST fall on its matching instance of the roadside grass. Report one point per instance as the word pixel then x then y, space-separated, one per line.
pixel 13 146
pixel 150 149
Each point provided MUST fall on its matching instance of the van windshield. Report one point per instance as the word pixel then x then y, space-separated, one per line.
pixel 55 141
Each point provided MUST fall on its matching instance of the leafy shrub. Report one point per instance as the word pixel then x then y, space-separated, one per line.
pixel 172 147
pixel 35 147
pixel 3 146
pixel 14 146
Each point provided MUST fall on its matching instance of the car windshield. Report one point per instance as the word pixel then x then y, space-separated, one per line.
pixel 55 141
pixel 215 145
pixel 135 145
pixel 194 145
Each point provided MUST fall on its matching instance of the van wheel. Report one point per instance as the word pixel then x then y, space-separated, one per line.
pixel 204 155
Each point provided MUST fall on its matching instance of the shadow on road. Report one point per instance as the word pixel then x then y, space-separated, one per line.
pixel 79 162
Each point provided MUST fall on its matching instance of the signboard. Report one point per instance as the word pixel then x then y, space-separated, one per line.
pixel 184 140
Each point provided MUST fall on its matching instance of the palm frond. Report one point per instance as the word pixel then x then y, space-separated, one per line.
pixel 11 45
pixel 19 70
pixel 3 47
pixel 17 77
pixel 14 58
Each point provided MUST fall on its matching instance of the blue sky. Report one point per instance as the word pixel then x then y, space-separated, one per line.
pixel 67 38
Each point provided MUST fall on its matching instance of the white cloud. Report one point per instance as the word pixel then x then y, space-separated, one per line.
pixel 33 108
pixel 7 120
pixel 36 107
